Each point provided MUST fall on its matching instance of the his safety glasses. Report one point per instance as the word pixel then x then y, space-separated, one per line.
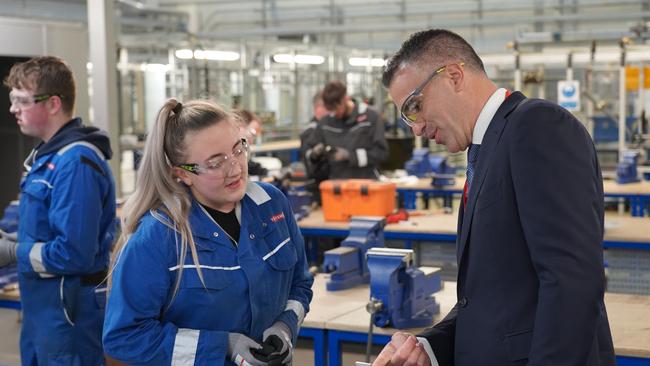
pixel 413 103
pixel 23 101
pixel 220 166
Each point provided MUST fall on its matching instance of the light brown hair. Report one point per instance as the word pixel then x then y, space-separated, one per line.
pixel 45 75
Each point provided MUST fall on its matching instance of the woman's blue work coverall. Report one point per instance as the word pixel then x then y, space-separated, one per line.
pixel 248 287
pixel 66 228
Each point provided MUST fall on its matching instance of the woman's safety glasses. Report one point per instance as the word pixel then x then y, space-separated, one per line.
pixel 220 166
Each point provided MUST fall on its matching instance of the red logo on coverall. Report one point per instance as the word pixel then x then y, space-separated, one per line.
pixel 278 217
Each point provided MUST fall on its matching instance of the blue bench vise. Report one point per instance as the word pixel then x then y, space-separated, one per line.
pixel 442 174
pixel 626 171
pixel 347 264
pixel 424 164
pixel 401 295
pixel 419 164
pixel 300 201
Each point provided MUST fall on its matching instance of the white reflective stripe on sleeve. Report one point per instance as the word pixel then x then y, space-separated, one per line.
pixel 185 346
pixel 427 348
pixel 362 157
pixel 276 249
pixel 43 181
pixel 87 144
pixel 297 308
pixel 36 258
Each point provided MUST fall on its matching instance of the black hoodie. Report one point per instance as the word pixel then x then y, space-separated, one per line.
pixel 74 131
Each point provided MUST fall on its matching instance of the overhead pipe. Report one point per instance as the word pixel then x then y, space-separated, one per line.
pixel 410 26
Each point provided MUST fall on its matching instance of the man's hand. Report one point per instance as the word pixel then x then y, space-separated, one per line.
pixel 403 350
pixel 316 152
pixel 341 154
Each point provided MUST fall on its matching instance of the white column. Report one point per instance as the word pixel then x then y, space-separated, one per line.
pixel 101 35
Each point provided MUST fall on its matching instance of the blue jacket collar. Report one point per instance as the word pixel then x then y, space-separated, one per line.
pixel 204 227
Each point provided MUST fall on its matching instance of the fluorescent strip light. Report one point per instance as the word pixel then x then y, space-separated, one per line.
pixel 184 54
pixel 299 59
pixel 214 55
pixel 365 62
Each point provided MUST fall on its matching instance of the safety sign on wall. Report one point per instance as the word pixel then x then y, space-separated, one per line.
pixel 568 94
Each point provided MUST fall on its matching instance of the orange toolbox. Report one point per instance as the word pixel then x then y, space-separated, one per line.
pixel 356 197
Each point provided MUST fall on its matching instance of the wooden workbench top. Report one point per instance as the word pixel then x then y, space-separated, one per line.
pixel 628 319
pixel 425 183
pixel 609 186
pixel 10 293
pixel 430 222
pixel 275 146
pixel 627 228
pixel 327 305
pixel 617 227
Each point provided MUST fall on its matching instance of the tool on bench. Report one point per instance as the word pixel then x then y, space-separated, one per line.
pixel 347 263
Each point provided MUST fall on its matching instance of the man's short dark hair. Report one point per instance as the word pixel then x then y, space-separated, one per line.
pixel 434 45
pixel 45 75
pixel 333 94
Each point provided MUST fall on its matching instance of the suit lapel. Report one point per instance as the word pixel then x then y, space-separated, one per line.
pixel 490 141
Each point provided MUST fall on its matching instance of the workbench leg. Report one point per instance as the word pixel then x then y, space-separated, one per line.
pixel 311 246
pixel 636 207
pixel 335 337
pixel 448 203
pixel 318 335
pixel 295 155
pixel 410 200
pixel 334 355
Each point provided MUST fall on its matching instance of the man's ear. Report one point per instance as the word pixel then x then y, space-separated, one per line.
pixel 54 104
pixel 457 75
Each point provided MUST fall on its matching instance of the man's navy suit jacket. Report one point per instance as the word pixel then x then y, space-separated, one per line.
pixel 529 247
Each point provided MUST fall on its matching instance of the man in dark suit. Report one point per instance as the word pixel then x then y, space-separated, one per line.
pixel 530 228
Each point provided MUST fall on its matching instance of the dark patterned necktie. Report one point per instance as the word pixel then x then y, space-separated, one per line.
pixel 472 158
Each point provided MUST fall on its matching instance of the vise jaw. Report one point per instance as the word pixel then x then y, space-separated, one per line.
pixel 401 294
pixel 347 264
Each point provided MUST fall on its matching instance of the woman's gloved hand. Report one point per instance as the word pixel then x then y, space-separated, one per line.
pixel 278 338
pixel 240 348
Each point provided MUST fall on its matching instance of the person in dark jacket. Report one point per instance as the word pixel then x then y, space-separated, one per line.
pixel 67 216
pixel 531 278
pixel 317 166
pixel 351 135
